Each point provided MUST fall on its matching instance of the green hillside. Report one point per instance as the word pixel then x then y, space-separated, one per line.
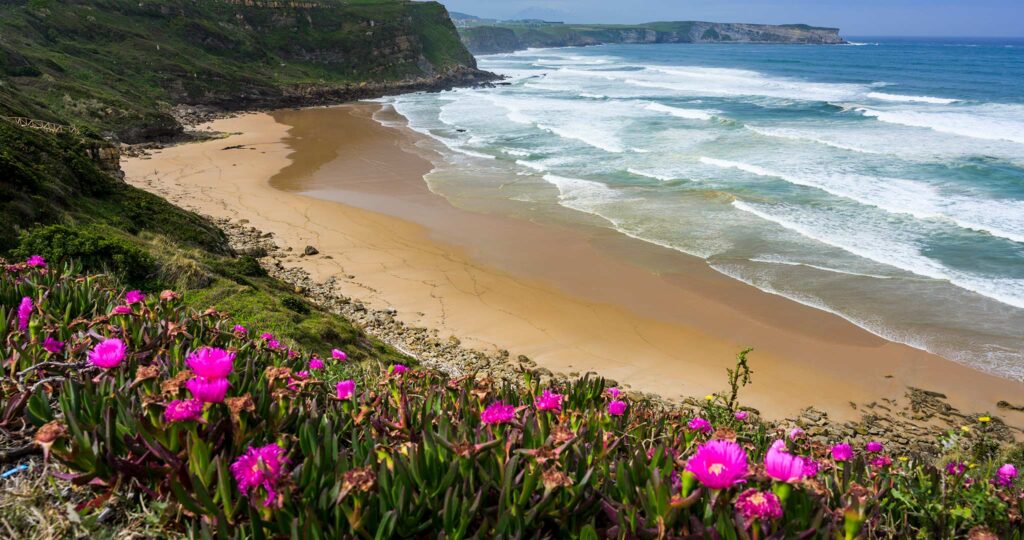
pixel 116 66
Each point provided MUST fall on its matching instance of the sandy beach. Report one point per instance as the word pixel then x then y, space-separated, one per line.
pixel 573 298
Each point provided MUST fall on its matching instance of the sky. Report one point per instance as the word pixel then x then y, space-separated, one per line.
pixel 975 18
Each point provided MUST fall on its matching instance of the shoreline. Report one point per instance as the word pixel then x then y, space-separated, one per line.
pixel 537 290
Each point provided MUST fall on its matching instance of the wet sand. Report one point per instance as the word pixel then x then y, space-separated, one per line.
pixel 574 298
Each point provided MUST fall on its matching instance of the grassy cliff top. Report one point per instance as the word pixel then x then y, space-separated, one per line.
pixel 112 65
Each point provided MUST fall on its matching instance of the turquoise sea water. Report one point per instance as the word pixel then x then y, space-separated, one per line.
pixel 882 181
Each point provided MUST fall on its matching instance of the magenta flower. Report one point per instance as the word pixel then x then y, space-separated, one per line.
pixel 211 363
pixel 1005 475
pixel 25 313
pixel 881 461
pixel 121 310
pixel 617 407
pixel 267 336
pixel 753 504
pixel 208 390
pixel 781 465
pixel 874 447
pixel 699 424
pixel 399 369
pixel 719 464
pixel 795 433
pixel 240 330
pixel 108 353
pixel 339 355
pixel 273 344
pixel 741 415
pixel 183 410
pixel 36 261
pixel 260 467
pixel 614 392
pixel 956 468
pixel 842 452
pixel 498 413
pixel 52 345
pixel 316 363
pixel 134 297
pixel 346 389
pixel 810 468
pixel 549 401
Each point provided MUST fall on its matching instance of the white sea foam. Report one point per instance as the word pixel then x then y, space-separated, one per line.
pixel 776 260
pixel 885 247
pixel 799 136
pixel 593 138
pixel 910 99
pixel 970 123
pixel 689 114
pixel 657 175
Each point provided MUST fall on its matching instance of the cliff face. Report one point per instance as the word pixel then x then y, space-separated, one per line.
pixel 512 37
pixel 117 66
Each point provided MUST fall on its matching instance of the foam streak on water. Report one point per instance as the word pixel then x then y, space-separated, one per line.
pixel 847 178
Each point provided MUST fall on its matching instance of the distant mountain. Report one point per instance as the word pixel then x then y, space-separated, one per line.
pixel 517 35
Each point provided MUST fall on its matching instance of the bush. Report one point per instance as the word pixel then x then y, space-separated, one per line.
pixel 295 304
pixel 416 454
pixel 95 247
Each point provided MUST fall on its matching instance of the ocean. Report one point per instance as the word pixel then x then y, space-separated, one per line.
pixel 882 181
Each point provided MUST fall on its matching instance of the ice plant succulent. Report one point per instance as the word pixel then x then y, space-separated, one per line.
pixel 399 369
pixel 207 390
pixel 719 464
pixel 316 363
pixel 753 504
pixel 741 415
pixel 339 355
pixel 783 466
pixel 240 330
pixel 183 410
pixel 345 389
pixel 699 424
pixel 549 401
pixel 25 313
pixel 134 297
pixel 842 452
pixel 52 345
pixel 36 261
pixel 1005 475
pixel 614 392
pixel 617 407
pixel 211 362
pixel 874 447
pixel 498 413
pixel 260 467
pixel 108 354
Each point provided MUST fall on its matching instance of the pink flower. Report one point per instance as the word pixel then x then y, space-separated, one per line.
pixel 881 461
pixel 614 392
pixel 260 467
pixel 810 468
pixel 781 465
pixel 956 468
pixel 617 407
pixel 741 415
pixel 211 363
pixel 36 261
pixel 842 452
pixel 168 295
pixel 719 464
pixel 267 336
pixel 108 353
pixel 25 313
pixel 346 389
pixel 240 330
pixel 1005 475
pixel 207 390
pixel 795 433
pixel 316 363
pixel 273 344
pixel 753 504
pixel 399 369
pixel 699 424
pixel 339 355
pixel 549 401
pixel 183 410
pixel 874 447
pixel 498 413
pixel 302 375
pixel 52 345
pixel 134 297
pixel 121 310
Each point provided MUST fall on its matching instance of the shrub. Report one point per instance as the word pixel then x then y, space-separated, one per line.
pixel 295 304
pixel 95 247
pixel 397 452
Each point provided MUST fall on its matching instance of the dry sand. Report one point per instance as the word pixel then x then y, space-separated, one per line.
pixel 573 298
